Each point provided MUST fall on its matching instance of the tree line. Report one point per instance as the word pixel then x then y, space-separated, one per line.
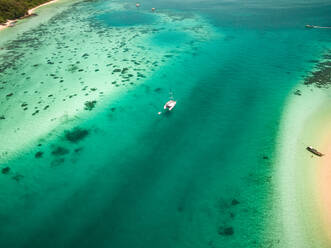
pixel 13 9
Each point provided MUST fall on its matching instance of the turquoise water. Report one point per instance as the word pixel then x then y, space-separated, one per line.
pixel 126 18
pixel 92 164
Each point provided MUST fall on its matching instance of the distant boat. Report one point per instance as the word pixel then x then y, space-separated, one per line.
pixel 310 26
pixel 314 151
pixel 170 105
pixel 313 26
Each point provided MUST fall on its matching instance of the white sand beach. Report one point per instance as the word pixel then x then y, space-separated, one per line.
pixel 304 188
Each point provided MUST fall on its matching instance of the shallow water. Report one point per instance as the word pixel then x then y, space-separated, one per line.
pixel 125 18
pixel 93 164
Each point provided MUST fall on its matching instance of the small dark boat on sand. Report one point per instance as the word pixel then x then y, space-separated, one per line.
pixel 314 151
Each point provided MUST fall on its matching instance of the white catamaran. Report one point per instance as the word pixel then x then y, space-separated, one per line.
pixel 169 104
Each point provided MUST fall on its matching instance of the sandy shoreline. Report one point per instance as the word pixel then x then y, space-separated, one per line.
pixel 324 179
pixel 304 179
pixel 29 13
pixel 7 24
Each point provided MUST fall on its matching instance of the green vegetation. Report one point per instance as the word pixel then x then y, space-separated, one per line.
pixel 13 9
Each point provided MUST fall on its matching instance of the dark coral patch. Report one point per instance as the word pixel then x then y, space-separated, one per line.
pixel 57 162
pixel 297 92
pixel 38 154
pixel 226 231
pixel 60 151
pixel 18 177
pixel 234 202
pixel 89 105
pixel 321 77
pixel 5 170
pixel 76 135
pixel 77 150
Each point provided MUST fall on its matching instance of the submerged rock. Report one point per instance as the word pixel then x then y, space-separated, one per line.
pixel 322 76
pixel 89 105
pixel 79 149
pixel 124 70
pixel 140 75
pixel 297 92
pixel 57 162
pixel 76 135
pixel 38 154
pixel 35 112
pixel 5 170
pixel 226 231
pixel 235 202
pixel 180 209
pixel 18 177
pixel 60 151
